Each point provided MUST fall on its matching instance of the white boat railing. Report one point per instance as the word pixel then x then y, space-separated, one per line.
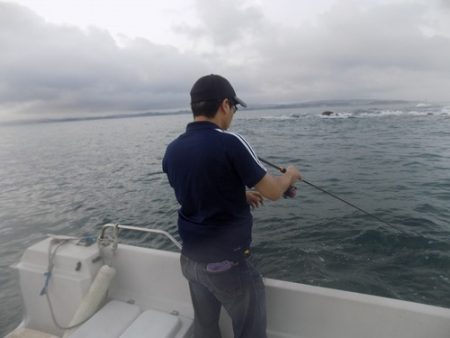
pixel 103 240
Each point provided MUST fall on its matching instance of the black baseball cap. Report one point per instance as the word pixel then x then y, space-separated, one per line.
pixel 214 88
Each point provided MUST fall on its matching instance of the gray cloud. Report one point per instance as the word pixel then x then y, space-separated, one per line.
pixel 445 4
pixel 223 22
pixel 46 67
pixel 378 51
pixel 356 52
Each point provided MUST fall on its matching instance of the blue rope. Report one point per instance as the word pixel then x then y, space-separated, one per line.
pixel 48 275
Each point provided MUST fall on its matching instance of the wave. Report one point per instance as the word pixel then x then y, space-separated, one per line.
pixel 423 105
pixel 292 116
pixel 281 117
pixel 442 111
pixel 338 116
pixel 445 110
pixel 383 113
pixel 372 113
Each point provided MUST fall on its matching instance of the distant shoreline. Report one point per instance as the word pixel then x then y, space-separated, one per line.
pixel 306 104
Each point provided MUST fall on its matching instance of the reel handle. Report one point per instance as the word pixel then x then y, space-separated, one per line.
pixel 292 191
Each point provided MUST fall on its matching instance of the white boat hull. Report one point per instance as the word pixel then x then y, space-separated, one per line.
pixel 151 279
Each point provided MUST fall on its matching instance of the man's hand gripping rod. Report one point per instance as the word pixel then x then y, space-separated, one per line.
pixel 292 191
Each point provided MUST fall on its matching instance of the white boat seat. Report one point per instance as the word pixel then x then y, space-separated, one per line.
pixel 122 320
pixel 153 324
pixel 109 322
pixel 23 332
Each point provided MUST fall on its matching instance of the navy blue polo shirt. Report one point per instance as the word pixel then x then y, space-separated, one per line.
pixel 209 169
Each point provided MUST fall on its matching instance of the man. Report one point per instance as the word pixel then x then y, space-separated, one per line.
pixel 209 169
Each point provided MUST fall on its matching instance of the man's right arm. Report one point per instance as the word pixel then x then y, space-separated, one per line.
pixel 273 187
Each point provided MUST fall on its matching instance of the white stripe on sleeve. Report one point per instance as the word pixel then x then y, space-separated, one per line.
pixel 246 145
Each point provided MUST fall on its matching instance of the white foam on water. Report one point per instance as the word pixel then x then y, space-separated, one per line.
pixel 445 110
pixel 384 113
pixel 281 117
pixel 427 111
pixel 291 116
pixel 423 105
pixel 343 115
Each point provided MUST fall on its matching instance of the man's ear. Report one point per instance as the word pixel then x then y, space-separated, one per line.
pixel 223 106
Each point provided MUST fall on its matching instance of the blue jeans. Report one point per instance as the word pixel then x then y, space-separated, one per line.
pixel 241 292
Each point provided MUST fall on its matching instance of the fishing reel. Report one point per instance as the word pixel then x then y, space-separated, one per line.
pixel 291 192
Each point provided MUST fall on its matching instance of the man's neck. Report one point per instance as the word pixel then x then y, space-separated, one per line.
pixel 214 120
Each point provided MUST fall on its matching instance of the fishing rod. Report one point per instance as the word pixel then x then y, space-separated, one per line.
pixel 291 192
pixel 156 173
pixel 283 170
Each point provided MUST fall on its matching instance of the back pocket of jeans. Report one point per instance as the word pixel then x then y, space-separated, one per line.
pixel 226 284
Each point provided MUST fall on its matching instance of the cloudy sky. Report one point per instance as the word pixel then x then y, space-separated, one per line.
pixel 92 56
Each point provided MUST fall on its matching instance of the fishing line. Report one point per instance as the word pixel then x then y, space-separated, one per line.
pixel 283 170
pixel 156 173
pixel 287 194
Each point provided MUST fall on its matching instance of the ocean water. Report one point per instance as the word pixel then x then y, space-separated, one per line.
pixel 391 159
